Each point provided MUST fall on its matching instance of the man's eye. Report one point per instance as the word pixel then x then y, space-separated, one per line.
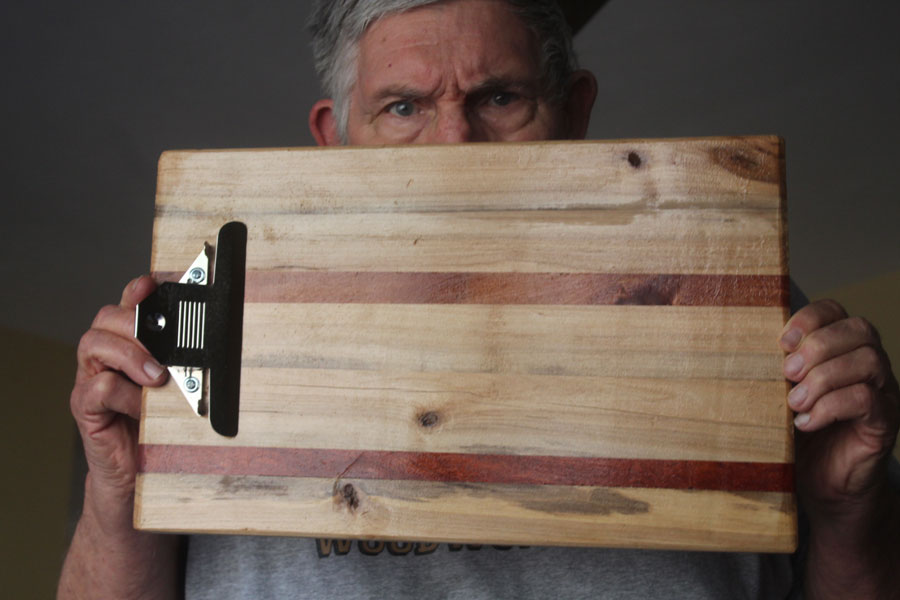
pixel 402 109
pixel 503 98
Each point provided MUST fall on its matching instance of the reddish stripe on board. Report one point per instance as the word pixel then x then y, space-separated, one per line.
pixel 513 288
pixel 467 468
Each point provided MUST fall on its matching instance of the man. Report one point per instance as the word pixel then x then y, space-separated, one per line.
pixel 435 71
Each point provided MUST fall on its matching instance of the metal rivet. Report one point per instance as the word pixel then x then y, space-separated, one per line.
pixel 155 322
pixel 191 384
pixel 197 275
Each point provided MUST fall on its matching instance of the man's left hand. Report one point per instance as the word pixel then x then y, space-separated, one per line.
pixel 848 409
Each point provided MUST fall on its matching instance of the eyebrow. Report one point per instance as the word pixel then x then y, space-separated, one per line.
pixel 398 91
pixel 499 83
pixel 490 84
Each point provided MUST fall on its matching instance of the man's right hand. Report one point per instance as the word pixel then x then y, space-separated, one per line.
pixel 106 401
pixel 108 558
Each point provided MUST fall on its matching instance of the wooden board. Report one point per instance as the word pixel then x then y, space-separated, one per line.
pixel 566 343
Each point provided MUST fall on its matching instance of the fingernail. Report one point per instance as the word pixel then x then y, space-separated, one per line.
pixel 153 369
pixel 791 338
pixel 797 396
pixel 801 419
pixel 134 283
pixel 793 365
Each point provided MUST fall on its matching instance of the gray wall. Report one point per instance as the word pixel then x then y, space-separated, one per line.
pixel 95 90
pixel 822 74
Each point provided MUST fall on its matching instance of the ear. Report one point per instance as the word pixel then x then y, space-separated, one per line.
pixel 582 93
pixel 322 123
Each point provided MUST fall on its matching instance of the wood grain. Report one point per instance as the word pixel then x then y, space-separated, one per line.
pixel 567 343
pixel 361 287
pixel 700 174
pixel 457 467
pixel 651 241
pixel 609 341
pixel 505 514
pixel 515 288
pixel 682 419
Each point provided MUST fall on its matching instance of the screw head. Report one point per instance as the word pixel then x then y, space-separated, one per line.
pixel 191 384
pixel 197 275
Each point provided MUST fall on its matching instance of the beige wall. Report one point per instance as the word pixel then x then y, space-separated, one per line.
pixel 37 440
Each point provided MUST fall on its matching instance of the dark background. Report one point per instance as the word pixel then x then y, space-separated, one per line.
pixel 93 91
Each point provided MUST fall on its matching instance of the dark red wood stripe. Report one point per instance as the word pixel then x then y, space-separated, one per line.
pixel 467 468
pixel 513 288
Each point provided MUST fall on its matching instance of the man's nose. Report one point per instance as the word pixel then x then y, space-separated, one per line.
pixel 453 126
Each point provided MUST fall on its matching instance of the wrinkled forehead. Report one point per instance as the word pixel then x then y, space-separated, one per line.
pixel 472 38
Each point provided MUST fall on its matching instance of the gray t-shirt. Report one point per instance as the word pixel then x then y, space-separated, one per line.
pixel 221 567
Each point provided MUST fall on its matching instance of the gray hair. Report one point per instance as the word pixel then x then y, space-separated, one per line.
pixel 338 25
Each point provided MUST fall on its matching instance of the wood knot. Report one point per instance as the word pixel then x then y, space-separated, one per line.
pixel 349 496
pixel 429 419
pixel 634 159
pixel 748 162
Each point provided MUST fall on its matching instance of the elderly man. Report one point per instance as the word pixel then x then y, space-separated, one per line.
pixel 436 71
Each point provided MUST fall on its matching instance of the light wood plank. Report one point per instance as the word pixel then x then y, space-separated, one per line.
pixel 609 341
pixel 520 414
pixel 499 514
pixel 688 241
pixel 701 173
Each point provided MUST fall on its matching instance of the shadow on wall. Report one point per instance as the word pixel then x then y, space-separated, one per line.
pixel 37 434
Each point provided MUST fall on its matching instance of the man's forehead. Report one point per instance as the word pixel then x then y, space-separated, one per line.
pixel 477 38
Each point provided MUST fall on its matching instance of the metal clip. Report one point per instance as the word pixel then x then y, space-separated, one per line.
pixel 195 327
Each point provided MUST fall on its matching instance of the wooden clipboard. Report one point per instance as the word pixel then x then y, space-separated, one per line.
pixel 558 343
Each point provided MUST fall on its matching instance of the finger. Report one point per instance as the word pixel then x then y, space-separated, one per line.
pixel 119 319
pixel 97 399
pixel 828 342
pixel 115 319
pixel 858 401
pixel 102 350
pixel 862 365
pixel 137 290
pixel 808 319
